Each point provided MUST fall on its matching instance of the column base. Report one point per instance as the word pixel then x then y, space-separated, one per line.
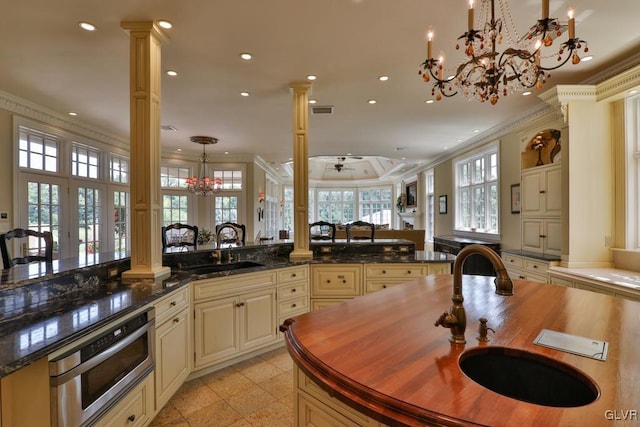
pixel 301 255
pixel 133 275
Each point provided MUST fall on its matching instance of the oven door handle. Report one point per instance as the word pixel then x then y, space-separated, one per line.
pixel 101 357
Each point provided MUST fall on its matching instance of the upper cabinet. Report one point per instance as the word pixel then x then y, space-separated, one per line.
pixel 542 191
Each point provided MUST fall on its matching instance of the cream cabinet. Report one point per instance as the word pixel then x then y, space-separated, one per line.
pixel 601 287
pixel 26 396
pixel 384 275
pixel 233 316
pixel 335 282
pixel 527 268
pixel 293 293
pixel 135 410
pixel 314 407
pixel 173 344
pixel 541 193
pixel 542 235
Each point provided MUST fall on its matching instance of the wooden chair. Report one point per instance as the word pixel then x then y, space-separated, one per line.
pixel 325 231
pixel 44 252
pixel 361 228
pixel 230 233
pixel 180 235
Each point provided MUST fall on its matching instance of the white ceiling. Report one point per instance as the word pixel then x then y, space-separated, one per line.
pixel 348 44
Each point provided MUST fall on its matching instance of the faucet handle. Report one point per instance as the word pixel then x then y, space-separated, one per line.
pixel 446 320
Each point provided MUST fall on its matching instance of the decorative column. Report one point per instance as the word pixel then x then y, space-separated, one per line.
pixel 300 171
pixel 145 71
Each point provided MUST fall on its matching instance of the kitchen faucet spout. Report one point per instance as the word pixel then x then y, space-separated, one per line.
pixel 456 319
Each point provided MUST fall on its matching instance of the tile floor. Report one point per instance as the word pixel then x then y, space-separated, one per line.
pixel 256 392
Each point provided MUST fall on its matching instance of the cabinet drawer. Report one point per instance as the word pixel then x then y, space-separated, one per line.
pixel 293 274
pixel 439 268
pixel 297 305
pixel 171 304
pixel 536 267
pixel 560 281
pixel 231 285
pixel 344 280
pixel 293 290
pixel 512 261
pixel 374 285
pixel 396 270
pixel 135 409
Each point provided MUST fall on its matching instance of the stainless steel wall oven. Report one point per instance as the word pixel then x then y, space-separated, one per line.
pixel 93 375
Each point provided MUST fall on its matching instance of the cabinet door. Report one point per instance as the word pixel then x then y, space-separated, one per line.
pixel 531 200
pixel 216 331
pixel 336 281
pixel 258 318
pixel 173 352
pixel 553 240
pixel 553 192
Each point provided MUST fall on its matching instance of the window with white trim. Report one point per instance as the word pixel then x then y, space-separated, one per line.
pixel 375 205
pixel 429 206
pixel 175 208
pixel 38 150
pixel 476 187
pixel 336 206
pixel 174 176
pixel 84 161
pixel 119 170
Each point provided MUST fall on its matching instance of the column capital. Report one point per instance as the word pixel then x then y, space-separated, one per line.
pixel 145 26
pixel 303 85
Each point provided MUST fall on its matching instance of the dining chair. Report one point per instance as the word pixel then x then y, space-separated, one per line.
pixel 230 233
pixel 180 235
pixel 322 230
pixel 360 230
pixel 39 241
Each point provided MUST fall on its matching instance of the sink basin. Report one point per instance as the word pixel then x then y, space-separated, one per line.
pixel 528 377
pixel 214 268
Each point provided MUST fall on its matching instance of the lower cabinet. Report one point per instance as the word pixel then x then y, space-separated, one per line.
pixel 173 344
pixel 314 407
pixel 542 235
pixel 230 325
pixel 593 286
pixel 135 410
pixel 527 268
pixel 26 396
pixel 334 283
pixel 382 276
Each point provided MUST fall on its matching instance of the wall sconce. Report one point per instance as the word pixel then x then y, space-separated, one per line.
pixel 260 210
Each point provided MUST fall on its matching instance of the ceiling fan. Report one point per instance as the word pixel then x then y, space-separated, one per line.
pixel 339 166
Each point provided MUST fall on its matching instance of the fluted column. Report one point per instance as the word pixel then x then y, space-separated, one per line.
pixel 145 96
pixel 300 171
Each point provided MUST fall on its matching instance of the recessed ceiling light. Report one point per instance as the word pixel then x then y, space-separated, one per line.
pixel 458 140
pixel 244 93
pixel 404 158
pixel 527 93
pixel 633 92
pixel 383 78
pixel 86 26
pixel 179 149
pixel 73 113
pixel 172 73
pixel 246 56
pixel 586 58
pixel 311 77
pixel 476 130
pixel 372 101
pixel 226 152
pixel 312 101
pixel 165 24
pixel 429 101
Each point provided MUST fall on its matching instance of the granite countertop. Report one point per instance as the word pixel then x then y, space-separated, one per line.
pixel 613 276
pixel 43 313
pixel 534 255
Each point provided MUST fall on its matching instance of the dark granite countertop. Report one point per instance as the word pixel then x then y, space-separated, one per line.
pixel 534 255
pixel 40 314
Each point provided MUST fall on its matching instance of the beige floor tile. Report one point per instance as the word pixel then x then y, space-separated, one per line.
pixel 274 415
pixel 166 416
pixel 279 386
pixel 227 382
pixel 280 358
pixel 193 396
pixel 251 400
pixel 257 370
pixel 219 414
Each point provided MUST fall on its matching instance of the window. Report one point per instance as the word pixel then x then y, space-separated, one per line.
pixel 174 177
pixel 476 179
pixel 375 205
pixel 226 209
pixel 37 150
pixel 119 170
pixel 43 207
pixel 89 220
pixel 120 220
pixel 336 206
pixel 175 208
pixel 430 207
pixel 287 209
pixel 84 162
pixel 231 179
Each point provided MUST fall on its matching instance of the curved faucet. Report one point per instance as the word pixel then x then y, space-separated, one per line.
pixel 456 319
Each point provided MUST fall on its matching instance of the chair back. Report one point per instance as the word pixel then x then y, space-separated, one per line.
pixel 180 235
pixel 230 233
pixel 44 251
pixel 322 230
pixel 360 230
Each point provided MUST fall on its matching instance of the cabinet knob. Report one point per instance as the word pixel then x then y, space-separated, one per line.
pixel 384 271
pixel 542 236
pixel 172 303
pixel 344 281
pixel 293 306
pixel 520 277
pixel 408 271
pixel 542 191
pixel 510 260
pixel 293 275
pixel 176 320
pixel 131 418
pixel 240 304
pixel 328 281
pixel 293 290
pixel 384 286
pixel 535 266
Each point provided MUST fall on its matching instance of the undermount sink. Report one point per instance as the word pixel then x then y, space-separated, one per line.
pixel 528 377
pixel 214 268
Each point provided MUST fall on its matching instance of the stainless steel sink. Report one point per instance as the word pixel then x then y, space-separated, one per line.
pixel 214 268
pixel 528 377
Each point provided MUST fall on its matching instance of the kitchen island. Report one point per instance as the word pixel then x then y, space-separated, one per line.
pixel 380 357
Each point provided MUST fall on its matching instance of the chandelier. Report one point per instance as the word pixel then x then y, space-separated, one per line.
pixel 203 185
pixel 487 74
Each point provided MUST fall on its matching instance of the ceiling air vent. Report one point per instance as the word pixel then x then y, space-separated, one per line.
pixel 169 128
pixel 322 109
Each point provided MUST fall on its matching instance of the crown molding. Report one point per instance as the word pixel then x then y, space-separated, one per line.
pixel 33 111
pixel 617 86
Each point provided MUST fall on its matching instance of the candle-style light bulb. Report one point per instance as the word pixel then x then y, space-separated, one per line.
pixel 430 44
pixel 545 9
pixel 470 18
pixel 572 23
pixel 441 66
